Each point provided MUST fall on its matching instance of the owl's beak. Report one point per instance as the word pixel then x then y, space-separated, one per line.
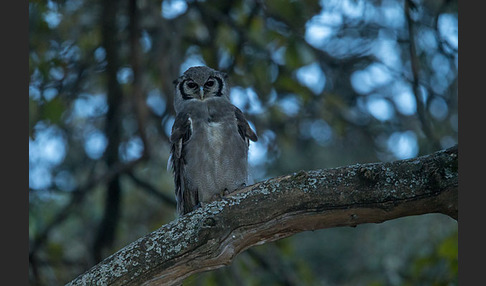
pixel 201 92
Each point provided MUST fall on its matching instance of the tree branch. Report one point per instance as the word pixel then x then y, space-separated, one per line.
pixel 152 190
pixel 139 105
pixel 212 236
pixel 414 61
pixel 105 233
pixel 77 197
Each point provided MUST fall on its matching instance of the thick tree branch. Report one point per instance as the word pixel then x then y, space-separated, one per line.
pixel 212 236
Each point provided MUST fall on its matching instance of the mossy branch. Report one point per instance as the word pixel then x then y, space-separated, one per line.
pixel 212 236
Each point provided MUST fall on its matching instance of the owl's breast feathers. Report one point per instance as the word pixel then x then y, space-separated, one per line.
pixel 182 128
pixel 191 123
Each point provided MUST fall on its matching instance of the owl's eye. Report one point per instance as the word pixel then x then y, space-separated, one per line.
pixel 209 83
pixel 191 85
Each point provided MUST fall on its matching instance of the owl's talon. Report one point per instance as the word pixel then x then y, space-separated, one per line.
pixel 216 197
pixel 226 192
pixel 199 205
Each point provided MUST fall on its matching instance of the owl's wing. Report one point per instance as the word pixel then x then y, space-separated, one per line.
pixel 181 132
pixel 244 128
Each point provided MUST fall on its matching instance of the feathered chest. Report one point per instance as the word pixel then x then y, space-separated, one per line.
pixel 214 133
pixel 210 130
pixel 213 126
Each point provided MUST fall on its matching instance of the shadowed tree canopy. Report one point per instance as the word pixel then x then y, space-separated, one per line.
pixel 325 84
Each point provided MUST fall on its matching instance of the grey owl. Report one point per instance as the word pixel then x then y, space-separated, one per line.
pixel 209 140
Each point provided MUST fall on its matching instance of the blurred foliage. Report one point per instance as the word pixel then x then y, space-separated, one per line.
pixel 439 267
pixel 325 84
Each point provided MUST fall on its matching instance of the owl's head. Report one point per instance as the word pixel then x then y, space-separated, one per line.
pixel 200 83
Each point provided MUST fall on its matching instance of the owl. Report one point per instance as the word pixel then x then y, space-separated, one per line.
pixel 209 140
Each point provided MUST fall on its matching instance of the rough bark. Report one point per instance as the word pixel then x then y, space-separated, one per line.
pixel 212 236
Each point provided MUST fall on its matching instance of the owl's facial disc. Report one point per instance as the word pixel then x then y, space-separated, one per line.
pixel 192 90
pixel 188 89
pixel 209 83
pixel 191 85
pixel 214 86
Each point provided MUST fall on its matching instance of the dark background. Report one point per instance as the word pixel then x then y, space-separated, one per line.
pixel 325 84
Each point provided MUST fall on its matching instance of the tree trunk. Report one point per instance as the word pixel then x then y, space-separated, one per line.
pixel 105 235
pixel 212 236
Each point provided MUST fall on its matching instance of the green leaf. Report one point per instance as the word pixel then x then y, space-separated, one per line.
pixel 52 110
pixel 449 248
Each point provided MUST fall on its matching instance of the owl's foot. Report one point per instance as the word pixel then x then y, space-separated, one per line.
pixel 240 186
pixel 199 205
pixel 226 192
pixel 216 197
